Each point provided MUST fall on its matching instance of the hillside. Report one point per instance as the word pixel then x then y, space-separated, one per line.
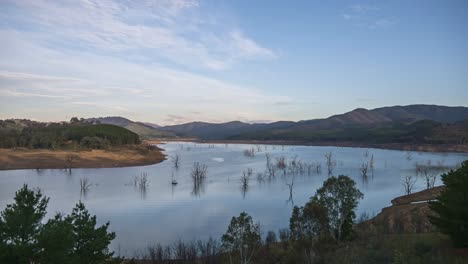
pixel 221 130
pixel 411 113
pixel 144 130
pixel 430 124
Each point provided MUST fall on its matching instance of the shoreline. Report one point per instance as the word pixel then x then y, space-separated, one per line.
pixel 130 156
pixel 389 146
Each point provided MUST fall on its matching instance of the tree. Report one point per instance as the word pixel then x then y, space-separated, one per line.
pixel 308 225
pixel 90 243
pixel 74 120
pixel 270 238
pixel 340 197
pixel 63 239
pixel 242 235
pixel 56 241
pixel 408 184
pixel 451 206
pixel 20 225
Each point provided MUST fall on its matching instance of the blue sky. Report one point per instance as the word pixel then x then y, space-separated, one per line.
pixel 184 60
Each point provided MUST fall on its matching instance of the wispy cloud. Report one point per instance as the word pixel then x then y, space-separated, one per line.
pixel 169 30
pixel 12 93
pixel 368 16
pixel 111 57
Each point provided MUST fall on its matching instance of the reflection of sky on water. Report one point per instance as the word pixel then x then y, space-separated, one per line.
pixel 165 213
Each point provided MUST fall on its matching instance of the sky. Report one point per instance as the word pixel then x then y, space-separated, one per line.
pixel 171 62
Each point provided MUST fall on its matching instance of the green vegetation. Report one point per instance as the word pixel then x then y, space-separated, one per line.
pixel 59 135
pixel 63 239
pixel 242 237
pixel 340 197
pixel 451 206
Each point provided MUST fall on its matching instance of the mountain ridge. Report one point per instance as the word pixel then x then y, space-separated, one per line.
pixel 359 117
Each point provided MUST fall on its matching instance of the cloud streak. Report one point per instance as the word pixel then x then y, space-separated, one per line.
pixel 161 30
pixel 368 16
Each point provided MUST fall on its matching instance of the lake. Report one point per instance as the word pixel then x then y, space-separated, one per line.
pixel 164 213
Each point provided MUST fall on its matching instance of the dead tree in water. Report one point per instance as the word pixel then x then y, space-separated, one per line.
pixel 245 182
pixel 331 163
pixel 198 174
pixel 291 185
pixel 70 159
pixel 249 152
pixel 371 164
pixel 270 168
pixel 85 184
pixel 199 171
pixel 176 160
pixel 364 169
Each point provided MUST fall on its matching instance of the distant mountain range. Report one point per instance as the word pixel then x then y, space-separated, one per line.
pixel 394 124
pixel 144 130
pixel 359 121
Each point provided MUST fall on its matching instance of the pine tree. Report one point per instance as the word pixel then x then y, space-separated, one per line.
pixel 451 207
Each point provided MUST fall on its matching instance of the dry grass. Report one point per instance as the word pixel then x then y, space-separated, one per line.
pixel 11 159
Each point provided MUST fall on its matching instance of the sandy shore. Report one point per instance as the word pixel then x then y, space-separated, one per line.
pixel 11 159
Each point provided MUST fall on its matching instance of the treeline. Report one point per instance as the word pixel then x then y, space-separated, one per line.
pixel 57 135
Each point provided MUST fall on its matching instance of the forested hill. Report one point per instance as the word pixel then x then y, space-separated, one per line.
pixel 144 130
pixel 30 134
pixel 432 124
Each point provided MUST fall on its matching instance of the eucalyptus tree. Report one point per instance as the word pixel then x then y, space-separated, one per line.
pixel 340 196
pixel 242 236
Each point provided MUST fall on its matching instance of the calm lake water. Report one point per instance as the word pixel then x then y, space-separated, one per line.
pixel 165 213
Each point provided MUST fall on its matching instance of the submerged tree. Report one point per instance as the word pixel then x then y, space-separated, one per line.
pixel 176 160
pixel 340 197
pixel 242 236
pixel 331 163
pixel 451 206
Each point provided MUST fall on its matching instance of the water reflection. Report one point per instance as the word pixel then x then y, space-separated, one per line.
pixel 198 187
pixel 144 207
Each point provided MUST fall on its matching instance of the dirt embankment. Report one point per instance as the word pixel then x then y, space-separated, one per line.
pixel 12 159
pixel 408 214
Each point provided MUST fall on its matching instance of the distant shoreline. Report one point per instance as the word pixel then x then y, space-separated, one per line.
pixel 389 146
pixel 17 159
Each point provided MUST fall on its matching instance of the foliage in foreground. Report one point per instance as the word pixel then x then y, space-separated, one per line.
pixel 63 239
pixel 451 207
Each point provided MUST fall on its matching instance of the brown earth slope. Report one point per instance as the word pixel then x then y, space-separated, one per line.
pixel 11 159
pixel 408 214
